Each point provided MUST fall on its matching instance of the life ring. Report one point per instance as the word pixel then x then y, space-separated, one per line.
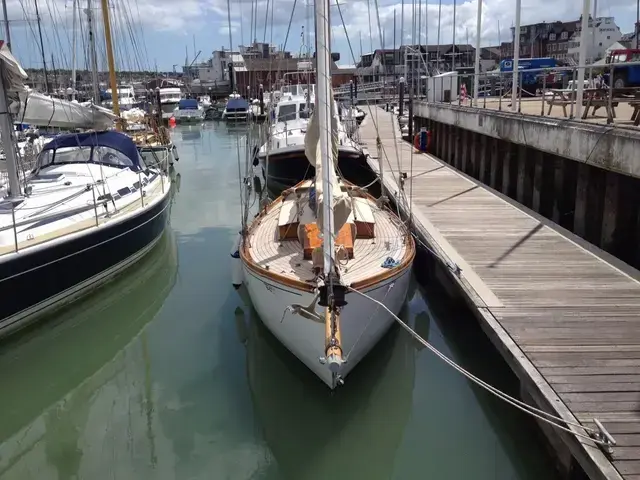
pixel 417 141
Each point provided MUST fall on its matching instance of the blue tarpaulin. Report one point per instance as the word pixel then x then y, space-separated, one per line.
pixel 235 104
pixel 188 104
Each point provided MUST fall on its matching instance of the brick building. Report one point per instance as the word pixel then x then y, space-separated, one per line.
pixel 543 40
pixel 270 72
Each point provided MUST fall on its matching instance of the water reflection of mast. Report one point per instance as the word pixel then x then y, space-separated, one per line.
pixel 148 398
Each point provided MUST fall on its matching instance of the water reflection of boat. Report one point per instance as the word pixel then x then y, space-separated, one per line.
pixel 70 360
pixel 190 132
pixel 313 434
pixel 237 127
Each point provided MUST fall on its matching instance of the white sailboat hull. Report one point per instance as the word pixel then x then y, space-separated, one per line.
pixel 362 322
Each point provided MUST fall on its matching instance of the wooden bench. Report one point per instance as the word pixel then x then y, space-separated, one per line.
pixel 560 98
pixel 596 98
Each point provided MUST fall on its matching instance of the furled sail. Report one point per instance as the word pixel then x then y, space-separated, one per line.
pixel 38 109
pixel 339 203
pixel 27 106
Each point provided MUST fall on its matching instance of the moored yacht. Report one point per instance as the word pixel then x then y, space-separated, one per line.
pixel 89 209
pixel 169 99
pixel 282 156
pixel 126 98
pixel 320 260
pixel 237 109
pixel 188 111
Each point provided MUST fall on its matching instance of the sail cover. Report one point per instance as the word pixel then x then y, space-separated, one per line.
pixel 339 203
pixel 34 108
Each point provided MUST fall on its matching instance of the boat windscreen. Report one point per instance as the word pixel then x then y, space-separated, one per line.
pixel 287 112
pixel 304 113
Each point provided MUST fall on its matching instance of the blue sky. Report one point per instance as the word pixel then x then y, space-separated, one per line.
pixel 150 32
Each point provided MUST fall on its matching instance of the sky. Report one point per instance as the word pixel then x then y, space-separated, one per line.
pixel 150 34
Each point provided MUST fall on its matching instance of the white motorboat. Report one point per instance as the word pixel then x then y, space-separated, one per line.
pixel 237 109
pixel 169 99
pixel 188 111
pixel 126 98
pixel 286 164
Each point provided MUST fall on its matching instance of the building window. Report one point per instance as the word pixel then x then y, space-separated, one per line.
pixel 552 37
pixel 564 35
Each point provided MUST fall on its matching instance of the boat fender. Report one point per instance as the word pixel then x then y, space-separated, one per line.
pixel 257 185
pixel 236 263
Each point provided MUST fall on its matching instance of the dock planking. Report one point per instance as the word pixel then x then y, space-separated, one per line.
pixel 566 321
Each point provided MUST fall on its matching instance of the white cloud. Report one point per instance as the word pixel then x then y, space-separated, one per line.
pixel 495 12
pixel 188 17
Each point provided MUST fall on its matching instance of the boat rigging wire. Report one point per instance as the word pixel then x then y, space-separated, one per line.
pixel 541 415
pixel 375 123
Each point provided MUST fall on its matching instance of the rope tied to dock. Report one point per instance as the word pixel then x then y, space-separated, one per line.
pixel 599 436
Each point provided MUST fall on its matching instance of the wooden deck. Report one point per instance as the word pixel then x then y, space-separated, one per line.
pixel 565 320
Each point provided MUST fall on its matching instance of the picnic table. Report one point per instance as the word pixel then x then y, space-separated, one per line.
pixel 593 99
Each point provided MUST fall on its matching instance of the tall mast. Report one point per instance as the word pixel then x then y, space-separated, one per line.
pixel 438 40
pixel 94 56
pixel 8 140
pixel 55 74
pixel 73 52
pixel 6 23
pixel 112 66
pixel 476 77
pixel 44 61
pixel 323 107
pixel 333 348
pixel 453 58
pixel 308 42
pixel 516 58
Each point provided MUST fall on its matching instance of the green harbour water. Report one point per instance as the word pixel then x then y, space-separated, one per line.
pixel 167 373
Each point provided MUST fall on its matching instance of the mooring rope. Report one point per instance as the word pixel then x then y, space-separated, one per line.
pixel 519 404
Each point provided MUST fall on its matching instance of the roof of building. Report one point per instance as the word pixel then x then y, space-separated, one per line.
pixel 280 64
pixel 346 69
pixel 490 52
